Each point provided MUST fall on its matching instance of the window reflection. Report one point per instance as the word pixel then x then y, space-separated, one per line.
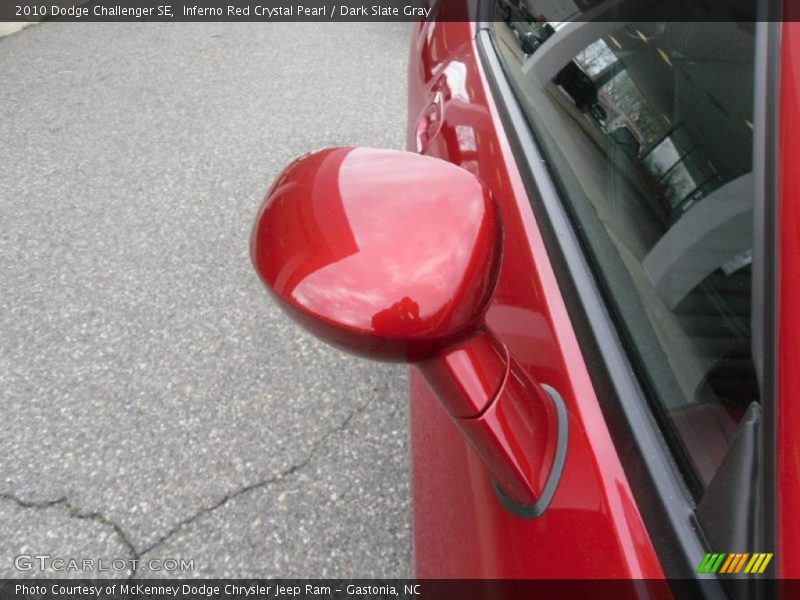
pixel 649 130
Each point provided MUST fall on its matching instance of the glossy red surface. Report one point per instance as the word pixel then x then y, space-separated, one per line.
pixel 787 554
pixel 395 255
pixel 387 254
pixel 508 420
pixel 516 436
pixel 469 375
pixel 593 527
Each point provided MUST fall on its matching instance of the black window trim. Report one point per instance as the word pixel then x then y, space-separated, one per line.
pixel 765 281
pixel 665 502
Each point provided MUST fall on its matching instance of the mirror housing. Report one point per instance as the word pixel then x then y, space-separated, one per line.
pixel 395 256
pixel 386 254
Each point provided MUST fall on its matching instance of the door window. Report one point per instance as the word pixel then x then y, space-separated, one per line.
pixel 648 131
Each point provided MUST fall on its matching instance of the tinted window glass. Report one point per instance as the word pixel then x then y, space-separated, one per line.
pixel 648 130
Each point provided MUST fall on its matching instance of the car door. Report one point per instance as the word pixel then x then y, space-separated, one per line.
pixel 640 336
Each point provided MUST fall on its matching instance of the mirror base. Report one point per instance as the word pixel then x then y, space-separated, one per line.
pixel 532 511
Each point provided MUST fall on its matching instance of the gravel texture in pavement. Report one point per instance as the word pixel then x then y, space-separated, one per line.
pixel 154 401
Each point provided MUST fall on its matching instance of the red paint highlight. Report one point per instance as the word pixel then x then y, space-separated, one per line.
pixel 788 417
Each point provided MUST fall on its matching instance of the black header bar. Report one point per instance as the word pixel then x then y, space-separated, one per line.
pixel 623 11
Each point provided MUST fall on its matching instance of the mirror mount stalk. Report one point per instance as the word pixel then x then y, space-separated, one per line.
pixel 515 425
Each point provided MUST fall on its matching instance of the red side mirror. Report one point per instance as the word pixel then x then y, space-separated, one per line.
pixel 394 256
pixel 387 254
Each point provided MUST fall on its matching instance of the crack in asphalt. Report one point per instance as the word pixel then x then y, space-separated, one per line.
pixel 76 513
pixel 288 472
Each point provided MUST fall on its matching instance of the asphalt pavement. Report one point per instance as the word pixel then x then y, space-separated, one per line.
pixel 155 404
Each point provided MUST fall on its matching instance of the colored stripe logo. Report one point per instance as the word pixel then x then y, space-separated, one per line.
pixel 735 562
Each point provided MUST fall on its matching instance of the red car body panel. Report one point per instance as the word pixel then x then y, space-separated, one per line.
pixel 593 527
pixel 788 408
